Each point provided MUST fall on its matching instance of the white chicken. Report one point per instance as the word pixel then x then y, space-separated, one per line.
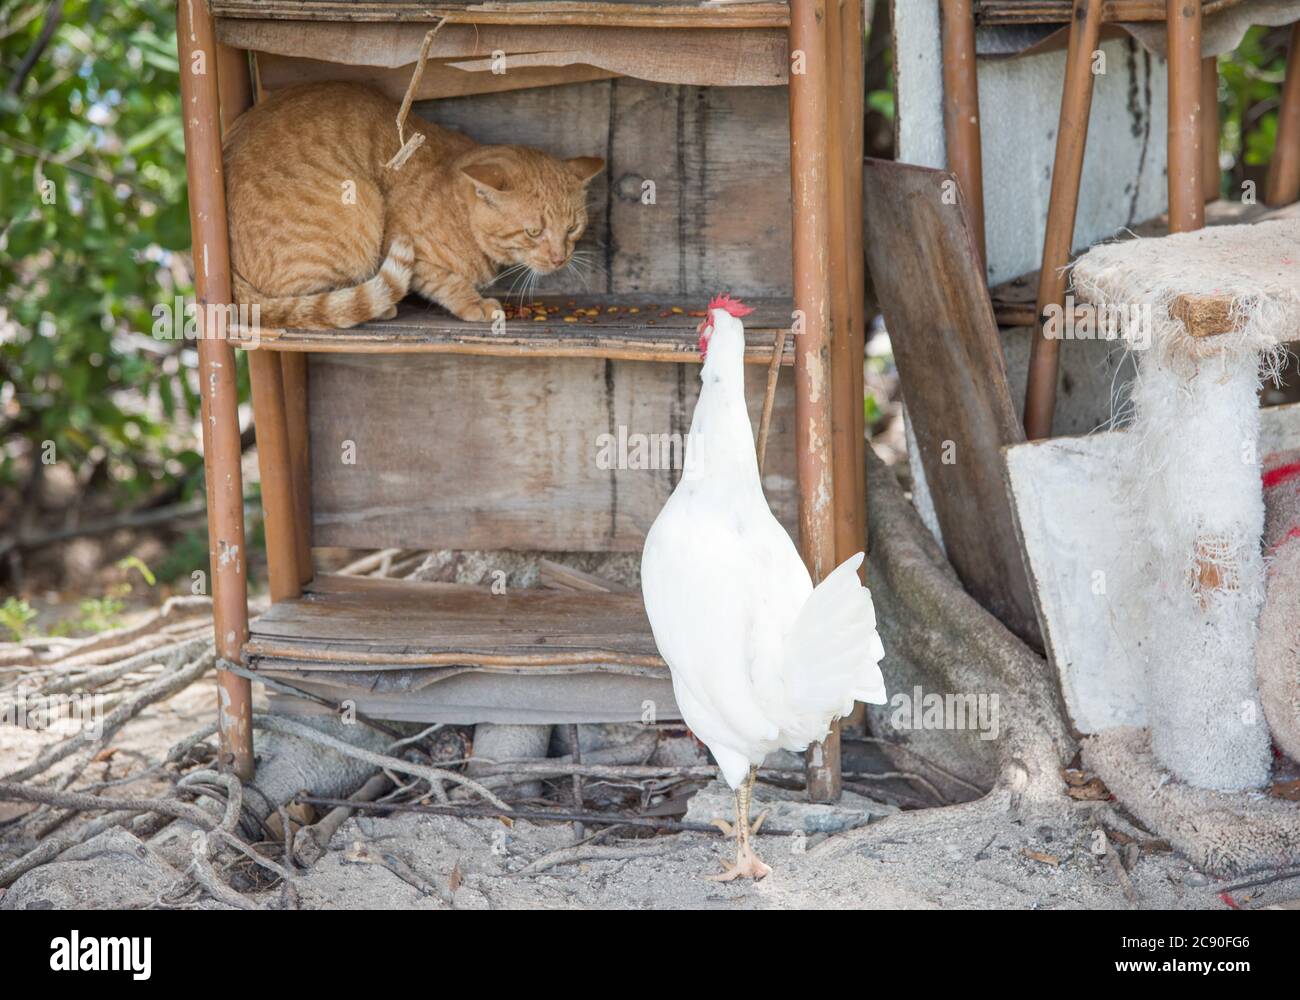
pixel 759 659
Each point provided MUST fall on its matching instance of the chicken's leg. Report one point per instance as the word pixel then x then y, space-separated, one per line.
pixel 748 864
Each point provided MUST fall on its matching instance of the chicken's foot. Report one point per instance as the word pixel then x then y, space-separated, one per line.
pixel 748 864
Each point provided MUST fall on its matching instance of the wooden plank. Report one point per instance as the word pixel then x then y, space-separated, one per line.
pixel 719 161
pixel 561 577
pixel 664 14
pixel 992 12
pixel 350 622
pixel 724 57
pixel 471 697
pixel 653 333
pixel 954 379
pixel 439 81
pixel 464 452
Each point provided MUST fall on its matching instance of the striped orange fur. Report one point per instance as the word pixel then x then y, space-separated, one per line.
pixel 323 235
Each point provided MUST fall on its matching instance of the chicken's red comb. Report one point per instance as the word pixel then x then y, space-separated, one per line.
pixel 734 307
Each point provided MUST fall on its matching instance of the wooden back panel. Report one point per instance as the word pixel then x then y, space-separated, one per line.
pixel 719 160
pixel 471 452
pixel 432 451
pixel 927 274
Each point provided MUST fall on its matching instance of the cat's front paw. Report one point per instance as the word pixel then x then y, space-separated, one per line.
pixel 483 311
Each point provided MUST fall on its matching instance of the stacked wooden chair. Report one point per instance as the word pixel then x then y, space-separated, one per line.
pixel 509 467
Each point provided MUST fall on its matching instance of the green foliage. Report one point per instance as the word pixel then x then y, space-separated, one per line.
pixel 94 614
pixel 871 410
pixel 15 616
pixel 99 614
pixel 185 555
pixel 135 562
pixel 1249 82
pixel 93 233
pixel 881 101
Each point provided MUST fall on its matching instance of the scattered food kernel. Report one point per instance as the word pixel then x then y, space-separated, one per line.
pixel 540 318
pixel 570 319
pixel 634 309
pixel 678 309
pixel 697 312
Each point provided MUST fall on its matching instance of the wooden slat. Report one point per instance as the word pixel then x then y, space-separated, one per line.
pixel 469 453
pixel 438 82
pixel 344 622
pixel 954 379
pixel 991 12
pixel 731 57
pixel 669 14
pixel 655 333
pixel 719 159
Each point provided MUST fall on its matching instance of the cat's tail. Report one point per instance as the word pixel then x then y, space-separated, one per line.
pixel 343 307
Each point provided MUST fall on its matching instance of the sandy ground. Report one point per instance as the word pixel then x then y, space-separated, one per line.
pixel 954 858
pixel 888 865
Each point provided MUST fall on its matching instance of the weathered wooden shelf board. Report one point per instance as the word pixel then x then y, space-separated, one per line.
pixel 662 14
pixel 347 623
pixel 656 333
pixel 990 12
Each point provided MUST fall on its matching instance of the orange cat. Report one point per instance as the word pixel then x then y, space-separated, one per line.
pixel 322 234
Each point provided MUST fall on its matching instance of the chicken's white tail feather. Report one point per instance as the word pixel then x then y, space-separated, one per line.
pixel 832 655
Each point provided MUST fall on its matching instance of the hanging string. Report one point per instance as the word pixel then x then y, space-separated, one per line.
pixel 769 398
pixel 409 146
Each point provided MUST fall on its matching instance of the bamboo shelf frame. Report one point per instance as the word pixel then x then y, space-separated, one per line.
pixel 828 279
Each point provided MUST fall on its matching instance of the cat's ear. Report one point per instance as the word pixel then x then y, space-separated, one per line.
pixel 585 167
pixel 489 178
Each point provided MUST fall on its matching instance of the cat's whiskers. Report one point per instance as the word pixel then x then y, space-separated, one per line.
pixel 586 265
pixel 530 284
pixel 521 276
pixel 506 272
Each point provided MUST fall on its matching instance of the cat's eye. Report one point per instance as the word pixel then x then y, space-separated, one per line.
pixel 534 233
pixel 574 228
